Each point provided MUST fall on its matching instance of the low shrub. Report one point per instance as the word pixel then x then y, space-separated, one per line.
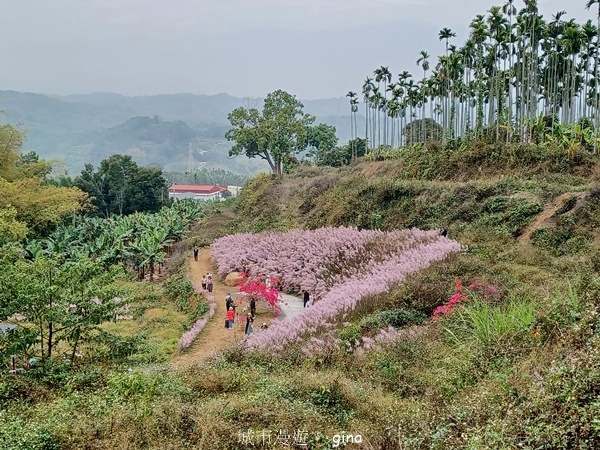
pixel 331 399
pixel 564 239
pixel 137 385
pixel 18 434
pixel 349 334
pixel 179 289
pixel 433 286
pixel 396 317
pixel 116 348
pixel 398 368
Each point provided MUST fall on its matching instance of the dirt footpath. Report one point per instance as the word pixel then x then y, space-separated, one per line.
pixel 215 336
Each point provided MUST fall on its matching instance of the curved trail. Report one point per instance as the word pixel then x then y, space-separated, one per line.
pixel 215 336
pixel 547 214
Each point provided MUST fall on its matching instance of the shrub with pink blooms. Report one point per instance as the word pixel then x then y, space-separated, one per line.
pixel 462 294
pixel 262 288
pixel 341 268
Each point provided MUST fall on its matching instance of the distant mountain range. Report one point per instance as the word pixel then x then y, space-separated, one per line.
pixel 175 131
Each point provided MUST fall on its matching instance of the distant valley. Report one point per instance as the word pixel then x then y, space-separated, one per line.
pixel 175 132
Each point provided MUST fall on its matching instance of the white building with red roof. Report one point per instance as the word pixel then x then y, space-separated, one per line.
pixel 200 192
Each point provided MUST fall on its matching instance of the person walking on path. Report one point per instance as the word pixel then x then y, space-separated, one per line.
pixel 306 297
pixel 203 282
pixel 196 254
pixel 209 284
pixel 228 301
pixel 249 321
pixel 230 317
pixel 252 306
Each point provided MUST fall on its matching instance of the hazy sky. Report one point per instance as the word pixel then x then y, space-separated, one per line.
pixel 311 48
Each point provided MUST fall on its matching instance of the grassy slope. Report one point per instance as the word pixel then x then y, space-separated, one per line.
pixel 520 373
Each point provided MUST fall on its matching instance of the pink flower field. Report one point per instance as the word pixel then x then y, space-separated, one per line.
pixel 340 267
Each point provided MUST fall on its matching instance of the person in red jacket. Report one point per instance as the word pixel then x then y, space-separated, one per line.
pixel 230 317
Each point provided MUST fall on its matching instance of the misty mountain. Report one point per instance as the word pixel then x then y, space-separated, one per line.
pixel 175 132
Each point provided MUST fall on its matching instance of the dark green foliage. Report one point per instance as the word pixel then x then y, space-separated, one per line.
pixel 349 334
pixel 509 216
pixel 432 287
pixel 274 134
pixel 18 435
pixel 19 341
pixel 321 138
pixel 119 186
pixel 396 317
pixel 339 156
pixel 563 239
pixel 178 288
pixel 181 291
pixel 422 130
pixel 568 411
pixel 397 368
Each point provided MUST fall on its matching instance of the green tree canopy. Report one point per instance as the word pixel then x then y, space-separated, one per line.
pixel 274 134
pixel 56 301
pixel 338 156
pixel 27 204
pixel 322 138
pixel 119 186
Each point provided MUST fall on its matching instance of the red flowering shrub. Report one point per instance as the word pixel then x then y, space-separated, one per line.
pixel 262 288
pixel 462 294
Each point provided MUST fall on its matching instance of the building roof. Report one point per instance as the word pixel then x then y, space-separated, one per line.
pixel 196 188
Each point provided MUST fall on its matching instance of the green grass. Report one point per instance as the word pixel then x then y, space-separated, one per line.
pixel 482 326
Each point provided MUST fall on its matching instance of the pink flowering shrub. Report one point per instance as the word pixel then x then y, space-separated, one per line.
pixel 462 294
pixel 262 288
pixel 339 266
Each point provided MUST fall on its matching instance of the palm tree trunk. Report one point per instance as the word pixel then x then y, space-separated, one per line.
pixel 596 85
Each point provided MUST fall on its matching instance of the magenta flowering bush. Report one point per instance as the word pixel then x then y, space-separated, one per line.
pixel 339 266
pixel 463 294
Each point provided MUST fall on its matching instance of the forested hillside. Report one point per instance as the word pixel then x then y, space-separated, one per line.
pixel 154 130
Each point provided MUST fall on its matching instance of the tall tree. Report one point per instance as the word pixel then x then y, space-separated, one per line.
pixel 596 98
pixel 120 187
pixel 367 88
pixel 353 110
pixel 27 204
pixel 274 134
pixel 446 34
pixel 423 62
pixel 322 139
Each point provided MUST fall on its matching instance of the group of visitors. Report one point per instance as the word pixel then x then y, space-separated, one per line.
pixel 231 306
pixel 207 282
